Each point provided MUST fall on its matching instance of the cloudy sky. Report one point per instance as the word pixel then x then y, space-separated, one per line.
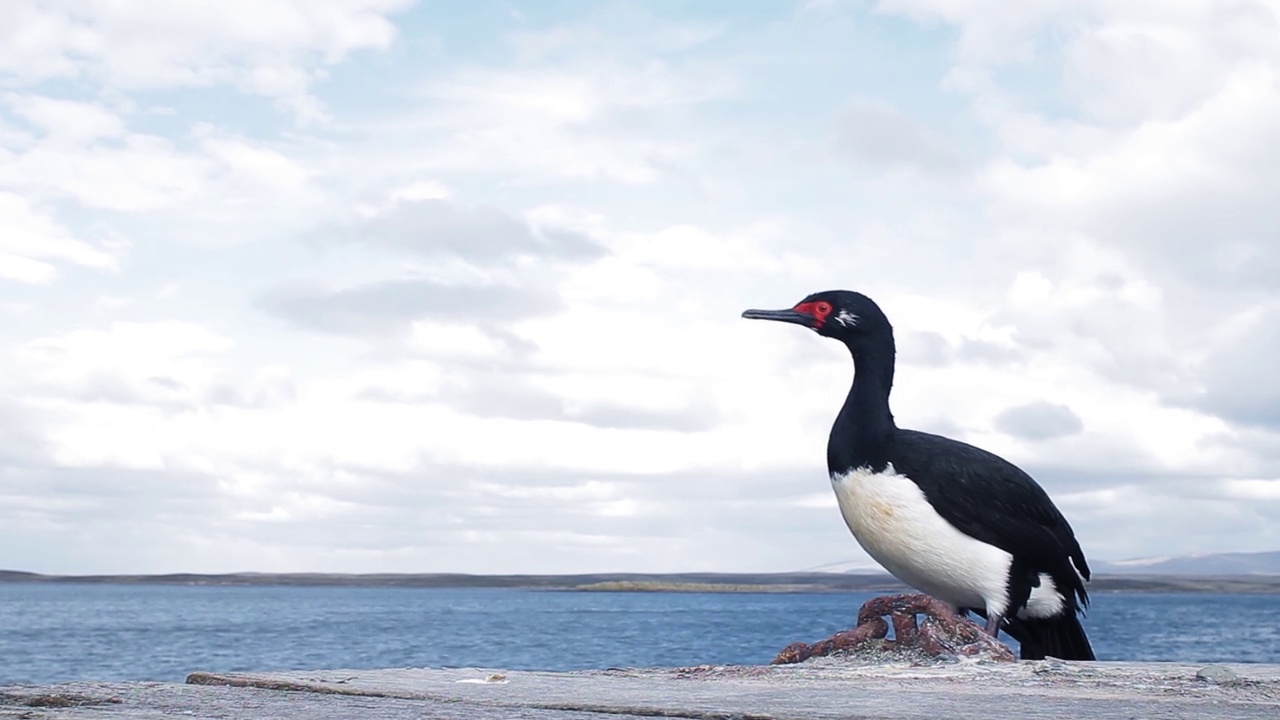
pixel 384 285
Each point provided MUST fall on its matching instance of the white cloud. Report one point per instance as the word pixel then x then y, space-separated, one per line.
pixel 576 103
pixel 546 124
pixel 422 190
pixel 220 187
pixel 67 120
pixel 1266 490
pixel 142 172
pixel 260 166
pixel 877 135
pixel 266 47
pixel 156 360
pixel 32 243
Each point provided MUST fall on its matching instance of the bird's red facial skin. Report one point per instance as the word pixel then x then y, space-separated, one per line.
pixel 819 310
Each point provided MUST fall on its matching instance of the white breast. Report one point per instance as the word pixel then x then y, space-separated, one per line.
pixel 896 525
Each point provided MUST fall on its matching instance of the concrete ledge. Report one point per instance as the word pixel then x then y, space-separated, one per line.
pixel 813 690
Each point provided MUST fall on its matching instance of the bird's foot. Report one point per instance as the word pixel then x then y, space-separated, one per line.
pixel 941 633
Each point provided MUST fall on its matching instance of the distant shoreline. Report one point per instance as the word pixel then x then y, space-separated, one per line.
pixel 639 582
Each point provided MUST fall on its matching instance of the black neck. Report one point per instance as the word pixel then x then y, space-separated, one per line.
pixel 860 437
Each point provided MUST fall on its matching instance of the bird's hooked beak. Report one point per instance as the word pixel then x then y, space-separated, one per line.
pixel 789 315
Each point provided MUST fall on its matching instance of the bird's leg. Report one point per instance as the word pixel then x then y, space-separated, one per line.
pixel 993 624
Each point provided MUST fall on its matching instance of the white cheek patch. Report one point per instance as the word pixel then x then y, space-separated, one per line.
pixel 846 318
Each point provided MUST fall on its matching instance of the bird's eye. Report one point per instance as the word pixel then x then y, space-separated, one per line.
pixel 823 308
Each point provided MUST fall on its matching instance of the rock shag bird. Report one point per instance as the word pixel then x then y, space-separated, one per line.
pixel 953 521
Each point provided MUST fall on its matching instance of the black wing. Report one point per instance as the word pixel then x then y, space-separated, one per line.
pixel 989 498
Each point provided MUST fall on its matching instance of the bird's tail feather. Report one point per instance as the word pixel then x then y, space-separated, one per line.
pixel 1061 637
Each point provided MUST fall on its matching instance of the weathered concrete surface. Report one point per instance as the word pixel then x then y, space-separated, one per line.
pixel 814 690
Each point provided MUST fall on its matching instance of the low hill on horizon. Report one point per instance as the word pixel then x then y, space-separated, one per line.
pixel 809 582
pixel 1231 563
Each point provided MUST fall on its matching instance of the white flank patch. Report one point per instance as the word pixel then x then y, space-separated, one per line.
pixel 1045 600
pixel 896 525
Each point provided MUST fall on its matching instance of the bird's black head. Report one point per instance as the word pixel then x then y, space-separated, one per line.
pixel 852 318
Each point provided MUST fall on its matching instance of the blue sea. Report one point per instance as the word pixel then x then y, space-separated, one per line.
pixel 52 633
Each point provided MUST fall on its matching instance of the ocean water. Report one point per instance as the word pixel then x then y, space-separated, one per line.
pixel 52 633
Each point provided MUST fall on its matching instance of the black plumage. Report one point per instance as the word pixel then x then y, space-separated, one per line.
pixel 992 500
